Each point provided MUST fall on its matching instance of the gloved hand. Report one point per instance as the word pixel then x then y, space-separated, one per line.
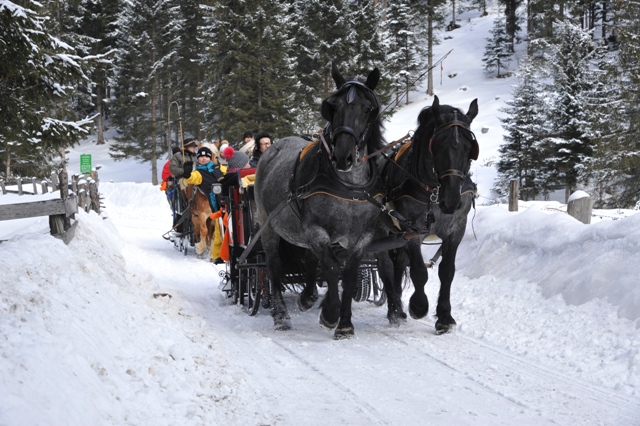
pixel 188 168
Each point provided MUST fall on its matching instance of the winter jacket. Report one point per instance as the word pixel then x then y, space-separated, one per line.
pixel 176 165
pixel 204 176
pixel 166 173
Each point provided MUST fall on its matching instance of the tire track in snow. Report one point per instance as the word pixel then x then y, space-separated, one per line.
pixel 501 372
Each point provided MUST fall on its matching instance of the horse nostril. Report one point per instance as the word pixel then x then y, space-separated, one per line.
pixel 349 161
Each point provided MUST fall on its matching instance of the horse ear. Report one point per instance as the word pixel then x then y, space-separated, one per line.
pixel 372 79
pixel 327 111
pixel 473 109
pixel 435 107
pixel 339 79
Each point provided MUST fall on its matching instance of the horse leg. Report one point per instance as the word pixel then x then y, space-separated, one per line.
pixel 200 229
pixel 446 272
pixel 392 286
pixel 418 303
pixel 345 328
pixel 330 313
pixel 270 241
pixel 309 295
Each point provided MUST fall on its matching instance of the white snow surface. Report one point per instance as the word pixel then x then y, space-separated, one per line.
pixel 119 328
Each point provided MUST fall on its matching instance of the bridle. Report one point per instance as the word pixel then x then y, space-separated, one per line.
pixel 330 133
pixel 473 155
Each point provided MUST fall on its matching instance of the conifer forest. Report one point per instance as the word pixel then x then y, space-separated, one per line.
pixel 161 70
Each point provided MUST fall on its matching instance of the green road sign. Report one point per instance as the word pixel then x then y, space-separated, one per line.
pixel 85 163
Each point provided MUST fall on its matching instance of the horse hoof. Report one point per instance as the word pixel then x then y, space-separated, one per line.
pixel 397 318
pixel 444 328
pixel 306 304
pixel 418 308
pixel 282 325
pixel 327 324
pixel 344 333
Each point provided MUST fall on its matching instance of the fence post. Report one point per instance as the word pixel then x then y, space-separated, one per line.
pixel 94 196
pixel 82 194
pixel 60 223
pixel 514 188
pixel 579 206
pixel 45 186
pixel 19 186
pixel 4 190
pixel 35 189
pixel 54 182
pixel 74 184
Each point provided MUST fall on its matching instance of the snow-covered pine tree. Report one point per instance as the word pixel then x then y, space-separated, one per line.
pixel 40 75
pixel 623 145
pixel 567 63
pixel 148 37
pixel 186 83
pixel 366 48
pixel 511 20
pixel 90 25
pixel 248 74
pixel 406 47
pixel 497 52
pixel 521 155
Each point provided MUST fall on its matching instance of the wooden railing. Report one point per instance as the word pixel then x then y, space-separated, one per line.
pixel 84 194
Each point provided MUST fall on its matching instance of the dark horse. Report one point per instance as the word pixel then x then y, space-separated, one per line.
pixel 429 185
pixel 318 196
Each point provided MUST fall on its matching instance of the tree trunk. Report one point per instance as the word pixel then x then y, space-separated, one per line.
pixel 430 50
pixel 453 14
pixel 7 162
pixel 99 123
pixel 154 135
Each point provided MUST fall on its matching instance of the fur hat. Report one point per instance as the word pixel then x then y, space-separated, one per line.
pixel 221 157
pixel 190 142
pixel 247 134
pixel 235 159
pixel 204 152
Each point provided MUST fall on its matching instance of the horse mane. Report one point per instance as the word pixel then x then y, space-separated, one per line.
pixel 427 122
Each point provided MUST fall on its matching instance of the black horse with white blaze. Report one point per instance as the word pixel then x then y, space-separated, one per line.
pixel 318 196
pixel 428 183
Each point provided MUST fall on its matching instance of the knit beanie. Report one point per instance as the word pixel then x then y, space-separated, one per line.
pixel 204 152
pixel 235 159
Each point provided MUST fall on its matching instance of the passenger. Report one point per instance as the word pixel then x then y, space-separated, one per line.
pixel 264 141
pixel 180 158
pixel 223 161
pixel 247 144
pixel 167 176
pixel 205 174
pixel 176 167
pixel 238 161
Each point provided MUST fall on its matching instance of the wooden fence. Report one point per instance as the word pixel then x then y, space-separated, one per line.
pixel 84 194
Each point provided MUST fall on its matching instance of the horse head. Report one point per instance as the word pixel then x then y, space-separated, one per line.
pixel 451 145
pixel 353 124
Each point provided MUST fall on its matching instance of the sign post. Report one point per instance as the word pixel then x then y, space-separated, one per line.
pixel 85 163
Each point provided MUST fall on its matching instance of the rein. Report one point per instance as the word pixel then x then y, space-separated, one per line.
pixel 386 147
